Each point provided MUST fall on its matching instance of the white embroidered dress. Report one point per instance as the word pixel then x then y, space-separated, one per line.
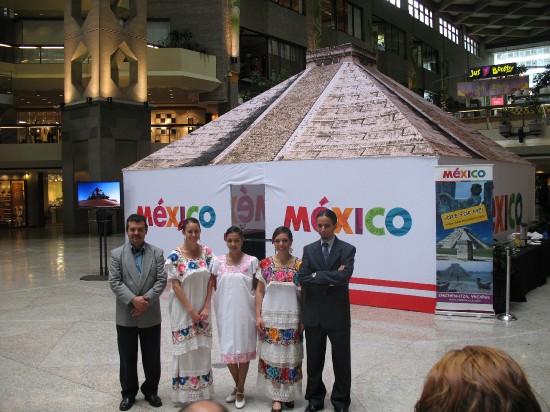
pixel 234 306
pixel 280 348
pixel 192 342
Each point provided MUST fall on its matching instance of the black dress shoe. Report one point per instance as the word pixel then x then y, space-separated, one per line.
pixel 313 408
pixel 340 410
pixel 289 405
pixel 153 400
pixel 126 403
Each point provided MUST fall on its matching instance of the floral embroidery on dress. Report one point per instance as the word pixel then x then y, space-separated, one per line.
pixel 272 273
pixel 192 382
pixel 280 375
pixel 283 337
pixel 181 263
pixel 199 328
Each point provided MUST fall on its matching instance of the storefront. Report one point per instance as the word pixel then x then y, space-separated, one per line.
pixel 13 211
pixel 54 206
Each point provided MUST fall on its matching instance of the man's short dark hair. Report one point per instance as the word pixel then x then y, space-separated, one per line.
pixel 328 213
pixel 136 218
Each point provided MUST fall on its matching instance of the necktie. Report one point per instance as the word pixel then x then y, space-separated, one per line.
pixel 325 251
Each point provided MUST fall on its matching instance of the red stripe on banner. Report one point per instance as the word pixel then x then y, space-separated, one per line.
pixel 394 284
pixel 392 301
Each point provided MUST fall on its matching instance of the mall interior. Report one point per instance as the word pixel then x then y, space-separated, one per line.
pixel 90 87
pixel 146 73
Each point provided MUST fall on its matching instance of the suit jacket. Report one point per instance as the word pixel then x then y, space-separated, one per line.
pixel 327 294
pixel 127 284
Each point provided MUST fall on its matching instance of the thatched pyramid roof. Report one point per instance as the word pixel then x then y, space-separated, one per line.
pixel 340 106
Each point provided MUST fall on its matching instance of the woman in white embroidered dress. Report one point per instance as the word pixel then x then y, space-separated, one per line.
pixel 278 321
pixel 234 305
pixel 189 271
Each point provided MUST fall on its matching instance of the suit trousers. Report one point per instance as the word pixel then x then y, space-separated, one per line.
pixel 316 344
pixel 149 339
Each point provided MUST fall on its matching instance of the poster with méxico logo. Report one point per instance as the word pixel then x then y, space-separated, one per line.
pixel 464 236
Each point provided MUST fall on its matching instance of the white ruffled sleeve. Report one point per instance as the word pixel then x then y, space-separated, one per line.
pixel 171 265
pixel 214 265
pixel 209 257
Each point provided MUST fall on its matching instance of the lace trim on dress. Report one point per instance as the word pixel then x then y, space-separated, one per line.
pixel 238 357
pixel 280 392
pixel 201 341
pixel 281 355
pixel 193 396
pixel 192 388
pixel 284 319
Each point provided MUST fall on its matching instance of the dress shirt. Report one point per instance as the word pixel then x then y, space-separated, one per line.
pixel 138 257
pixel 330 243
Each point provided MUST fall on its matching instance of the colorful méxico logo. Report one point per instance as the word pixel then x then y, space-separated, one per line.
pixel 167 216
pixel 299 218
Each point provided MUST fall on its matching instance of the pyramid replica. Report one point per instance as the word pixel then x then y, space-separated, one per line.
pixel 338 135
pixel 462 234
pixel 340 106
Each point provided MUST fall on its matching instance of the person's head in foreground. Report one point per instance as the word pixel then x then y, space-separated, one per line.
pixel 204 406
pixel 477 379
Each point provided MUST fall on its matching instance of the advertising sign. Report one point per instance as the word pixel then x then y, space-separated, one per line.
pixel 494 87
pixel 497 70
pixel 464 239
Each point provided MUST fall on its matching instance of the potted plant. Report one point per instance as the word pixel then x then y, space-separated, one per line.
pixel 505 127
pixel 534 106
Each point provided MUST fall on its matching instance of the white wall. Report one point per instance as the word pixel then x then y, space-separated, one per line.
pixel 388 266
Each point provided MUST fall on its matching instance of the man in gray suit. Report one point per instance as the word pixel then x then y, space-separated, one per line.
pixel 327 266
pixel 137 277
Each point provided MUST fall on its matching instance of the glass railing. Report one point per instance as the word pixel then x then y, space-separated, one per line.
pixel 21 54
pixel 36 134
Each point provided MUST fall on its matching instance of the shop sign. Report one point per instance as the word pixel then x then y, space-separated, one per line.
pixel 492 87
pixel 496 70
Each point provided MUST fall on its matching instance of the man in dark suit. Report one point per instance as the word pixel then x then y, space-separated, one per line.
pixel 327 266
pixel 137 277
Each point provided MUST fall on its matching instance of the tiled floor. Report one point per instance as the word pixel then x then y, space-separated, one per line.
pixel 58 342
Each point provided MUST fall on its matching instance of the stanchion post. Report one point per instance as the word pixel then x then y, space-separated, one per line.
pixel 507 316
pixel 106 273
pixel 101 220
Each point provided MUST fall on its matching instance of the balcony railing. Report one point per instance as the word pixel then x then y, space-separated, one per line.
pixel 21 54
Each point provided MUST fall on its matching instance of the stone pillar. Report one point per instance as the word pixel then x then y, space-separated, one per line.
pixel 106 122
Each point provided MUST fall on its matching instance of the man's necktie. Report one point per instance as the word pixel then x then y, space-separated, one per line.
pixel 325 251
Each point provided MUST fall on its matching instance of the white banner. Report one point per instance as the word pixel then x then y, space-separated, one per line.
pixel 385 208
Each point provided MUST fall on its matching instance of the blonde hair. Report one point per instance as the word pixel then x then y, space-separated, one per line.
pixel 477 379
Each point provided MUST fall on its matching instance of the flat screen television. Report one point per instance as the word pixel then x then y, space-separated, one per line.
pixel 91 195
